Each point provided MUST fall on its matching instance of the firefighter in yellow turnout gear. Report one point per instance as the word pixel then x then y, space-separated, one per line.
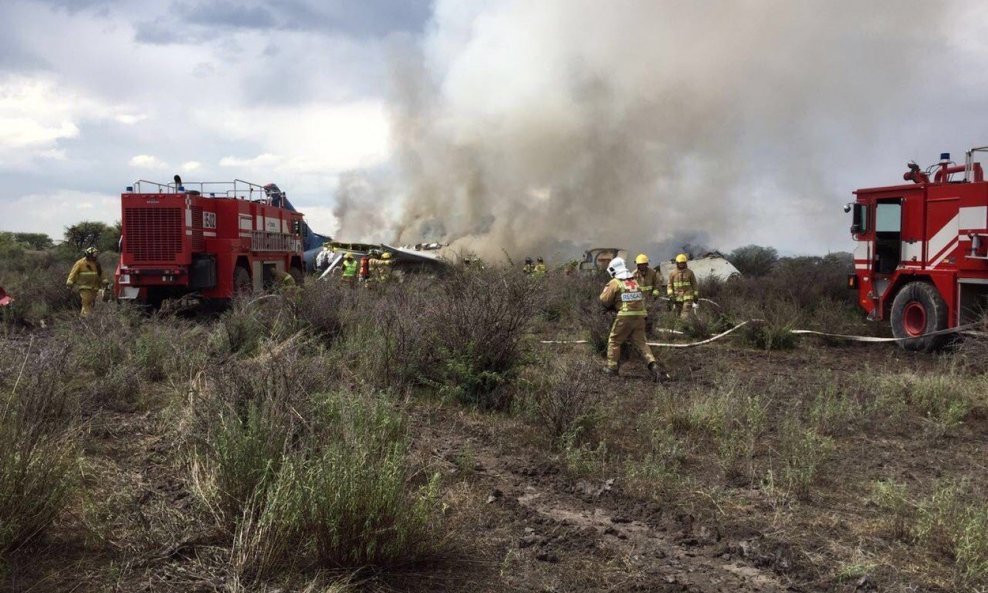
pixel 683 288
pixel 540 270
pixel 650 282
pixel 380 268
pixel 86 276
pixel 624 294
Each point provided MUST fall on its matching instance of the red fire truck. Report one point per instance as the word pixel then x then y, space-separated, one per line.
pixel 213 240
pixel 921 259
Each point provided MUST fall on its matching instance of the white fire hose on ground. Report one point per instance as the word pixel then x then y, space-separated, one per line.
pixel 965 329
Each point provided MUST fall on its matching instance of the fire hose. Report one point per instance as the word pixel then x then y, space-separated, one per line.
pixel 965 329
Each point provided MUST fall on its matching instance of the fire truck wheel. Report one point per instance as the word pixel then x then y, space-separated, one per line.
pixel 242 283
pixel 919 309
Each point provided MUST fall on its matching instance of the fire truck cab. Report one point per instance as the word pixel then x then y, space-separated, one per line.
pixel 921 260
pixel 213 240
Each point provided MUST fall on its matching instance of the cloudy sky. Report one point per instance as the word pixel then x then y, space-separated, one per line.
pixel 520 122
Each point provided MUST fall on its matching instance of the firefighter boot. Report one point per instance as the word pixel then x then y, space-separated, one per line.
pixel 657 373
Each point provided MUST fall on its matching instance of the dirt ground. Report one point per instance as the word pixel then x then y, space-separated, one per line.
pixel 524 521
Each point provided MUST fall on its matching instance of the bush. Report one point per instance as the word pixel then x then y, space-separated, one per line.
pixel 567 399
pixel 465 337
pixel 953 524
pixel 38 452
pixel 331 487
pixel 803 451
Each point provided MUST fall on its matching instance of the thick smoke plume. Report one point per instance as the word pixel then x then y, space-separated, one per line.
pixel 534 127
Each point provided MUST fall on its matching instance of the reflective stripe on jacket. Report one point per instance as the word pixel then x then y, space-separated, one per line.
pixel 649 281
pixel 85 274
pixel 682 285
pixel 625 296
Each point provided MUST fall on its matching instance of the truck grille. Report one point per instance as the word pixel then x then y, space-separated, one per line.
pixel 153 234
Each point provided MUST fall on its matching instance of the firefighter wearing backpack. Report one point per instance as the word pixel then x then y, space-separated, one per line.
pixel 682 289
pixel 86 276
pixel 625 295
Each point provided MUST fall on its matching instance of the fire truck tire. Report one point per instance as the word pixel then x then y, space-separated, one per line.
pixel 916 310
pixel 242 284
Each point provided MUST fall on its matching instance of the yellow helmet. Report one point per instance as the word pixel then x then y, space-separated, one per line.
pixel 641 259
pixel 348 256
pixel 681 258
pixel 386 255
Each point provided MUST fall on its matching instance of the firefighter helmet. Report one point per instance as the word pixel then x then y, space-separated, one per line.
pixel 617 269
pixel 386 255
pixel 90 252
pixel 681 258
pixel 348 256
pixel 641 259
pixel 528 260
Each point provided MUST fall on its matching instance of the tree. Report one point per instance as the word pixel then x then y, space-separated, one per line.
pixel 93 234
pixel 754 260
pixel 37 241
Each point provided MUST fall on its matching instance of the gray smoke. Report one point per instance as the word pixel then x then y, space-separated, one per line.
pixel 526 126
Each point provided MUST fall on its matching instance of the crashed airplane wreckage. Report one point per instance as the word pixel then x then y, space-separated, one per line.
pixel 422 257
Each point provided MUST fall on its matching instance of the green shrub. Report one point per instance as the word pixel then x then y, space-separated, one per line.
pixel 953 524
pixel 803 451
pixel 897 510
pixel 38 451
pixel 333 491
pixel 567 398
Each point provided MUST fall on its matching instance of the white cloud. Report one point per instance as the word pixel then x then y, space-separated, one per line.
pixel 311 138
pixel 147 161
pixel 190 166
pixel 50 212
pixel 261 160
pixel 130 119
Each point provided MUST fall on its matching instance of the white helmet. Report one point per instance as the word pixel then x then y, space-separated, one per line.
pixel 618 270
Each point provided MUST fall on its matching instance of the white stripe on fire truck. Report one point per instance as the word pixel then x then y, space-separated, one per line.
pixel 947 251
pixel 188 216
pixel 973 219
pixel 208 234
pixel 940 241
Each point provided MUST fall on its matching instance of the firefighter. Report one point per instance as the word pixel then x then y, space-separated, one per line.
pixel 529 267
pixel 682 288
pixel 324 256
pixel 349 270
pixel 86 276
pixel 624 294
pixel 380 268
pixel 364 273
pixel 539 271
pixel 649 281
pixel 285 282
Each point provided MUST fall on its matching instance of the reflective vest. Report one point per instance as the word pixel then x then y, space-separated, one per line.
pixel 682 285
pixel 625 296
pixel 86 274
pixel 349 268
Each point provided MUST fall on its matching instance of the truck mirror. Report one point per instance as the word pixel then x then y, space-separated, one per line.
pixel 859 222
